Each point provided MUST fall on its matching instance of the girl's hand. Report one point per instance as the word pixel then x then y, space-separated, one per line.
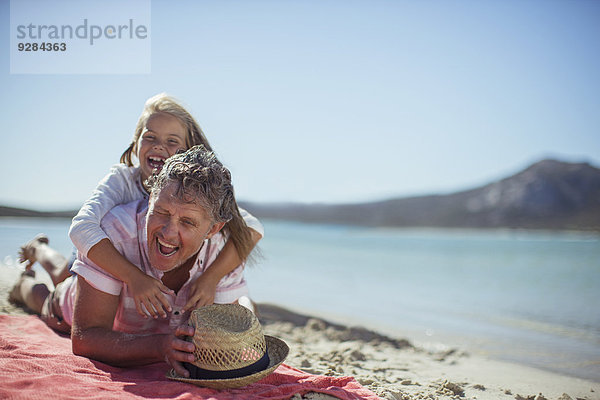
pixel 202 292
pixel 148 295
pixel 177 350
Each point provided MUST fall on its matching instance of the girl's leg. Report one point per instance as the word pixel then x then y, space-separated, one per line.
pixel 51 260
pixel 29 291
pixel 38 298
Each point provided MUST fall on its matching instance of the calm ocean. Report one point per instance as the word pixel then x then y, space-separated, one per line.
pixel 528 297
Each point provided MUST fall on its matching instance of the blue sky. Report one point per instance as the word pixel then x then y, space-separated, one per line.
pixel 325 101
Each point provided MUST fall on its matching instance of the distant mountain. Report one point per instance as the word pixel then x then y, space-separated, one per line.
pixel 22 212
pixel 548 195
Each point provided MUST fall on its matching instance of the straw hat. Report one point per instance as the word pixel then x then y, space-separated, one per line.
pixel 231 349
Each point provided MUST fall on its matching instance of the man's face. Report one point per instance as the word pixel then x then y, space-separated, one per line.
pixel 176 230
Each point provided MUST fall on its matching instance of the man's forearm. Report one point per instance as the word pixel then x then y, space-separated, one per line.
pixel 117 348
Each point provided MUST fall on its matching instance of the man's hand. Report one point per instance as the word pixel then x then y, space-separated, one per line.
pixel 202 292
pixel 148 295
pixel 177 350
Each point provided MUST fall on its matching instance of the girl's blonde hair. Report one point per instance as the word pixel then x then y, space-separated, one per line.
pixel 238 231
pixel 163 103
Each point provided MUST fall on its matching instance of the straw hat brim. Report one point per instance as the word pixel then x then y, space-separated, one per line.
pixel 277 350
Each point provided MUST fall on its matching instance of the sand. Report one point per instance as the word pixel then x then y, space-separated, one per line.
pixel 393 368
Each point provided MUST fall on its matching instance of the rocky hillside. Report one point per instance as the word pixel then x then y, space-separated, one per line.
pixel 23 212
pixel 548 195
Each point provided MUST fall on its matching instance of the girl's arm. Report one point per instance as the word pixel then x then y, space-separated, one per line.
pixel 118 187
pixel 202 291
pixel 146 291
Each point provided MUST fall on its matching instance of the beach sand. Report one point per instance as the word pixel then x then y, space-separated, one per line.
pixel 393 368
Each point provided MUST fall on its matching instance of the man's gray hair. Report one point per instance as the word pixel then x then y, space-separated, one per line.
pixel 201 179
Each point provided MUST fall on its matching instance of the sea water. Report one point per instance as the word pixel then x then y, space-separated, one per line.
pixel 527 297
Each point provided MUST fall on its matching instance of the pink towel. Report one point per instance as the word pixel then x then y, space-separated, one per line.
pixel 37 363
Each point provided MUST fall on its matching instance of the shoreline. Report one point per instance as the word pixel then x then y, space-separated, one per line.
pixel 396 368
pixel 393 368
pixel 467 341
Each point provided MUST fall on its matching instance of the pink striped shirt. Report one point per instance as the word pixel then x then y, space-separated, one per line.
pixel 125 226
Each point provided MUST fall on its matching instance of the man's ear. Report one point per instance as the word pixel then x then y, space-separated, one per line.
pixel 214 229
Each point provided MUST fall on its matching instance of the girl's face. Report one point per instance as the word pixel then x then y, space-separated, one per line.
pixel 161 138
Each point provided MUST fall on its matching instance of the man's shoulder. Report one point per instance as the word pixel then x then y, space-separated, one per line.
pixel 215 246
pixel 122 220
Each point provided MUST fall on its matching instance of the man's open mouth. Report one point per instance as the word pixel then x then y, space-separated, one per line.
pixel 166 249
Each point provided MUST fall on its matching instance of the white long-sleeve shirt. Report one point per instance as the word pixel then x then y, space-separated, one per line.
pixel 122 185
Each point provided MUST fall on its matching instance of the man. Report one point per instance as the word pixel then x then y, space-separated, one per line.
pixel 173 238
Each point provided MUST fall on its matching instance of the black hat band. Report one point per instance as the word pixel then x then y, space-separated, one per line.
pixel 201 373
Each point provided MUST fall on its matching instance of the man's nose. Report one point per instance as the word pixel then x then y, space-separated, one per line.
pixel 169 229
